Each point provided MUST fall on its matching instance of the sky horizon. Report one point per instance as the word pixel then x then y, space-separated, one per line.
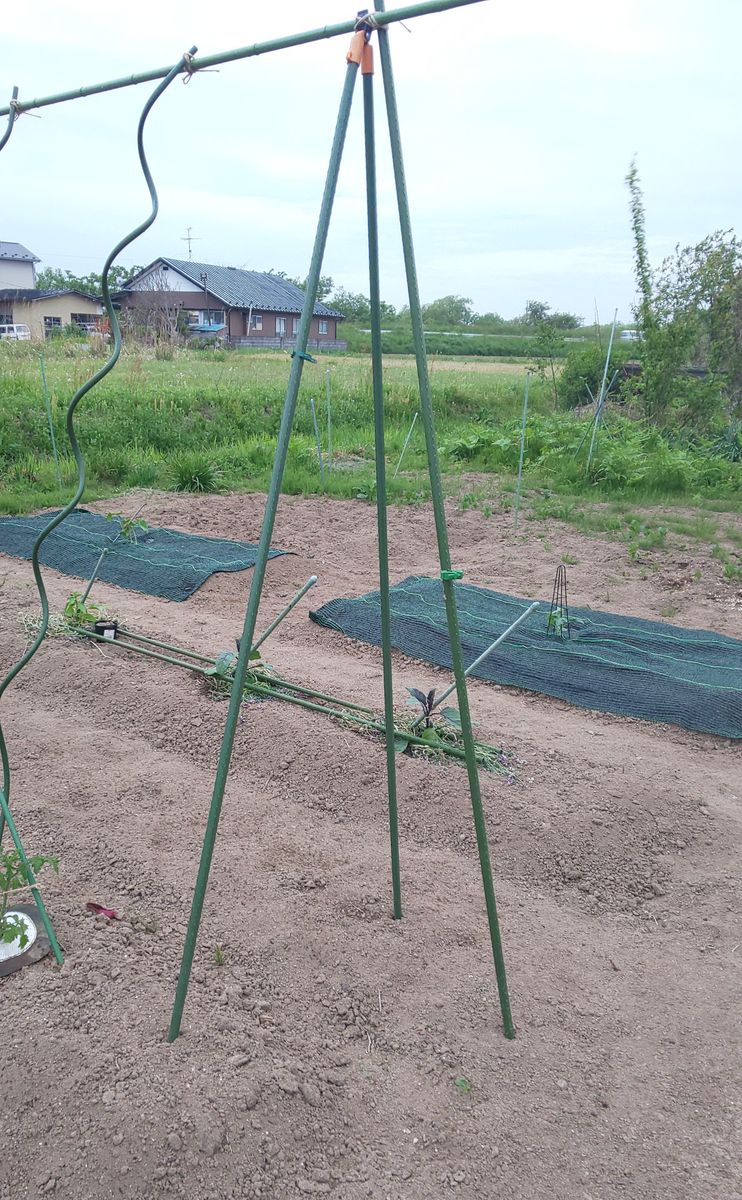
pixel 518 131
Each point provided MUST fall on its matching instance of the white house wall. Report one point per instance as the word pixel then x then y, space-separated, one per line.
pixel 16 274
pixel 159 280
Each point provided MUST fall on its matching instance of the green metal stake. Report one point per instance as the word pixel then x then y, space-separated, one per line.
pixel 522 451
pixel 5 816
pixel 381 513
pixel 319 444
pixel 601 395
pixel 266 533
pixel 484 655
pixel 285 611
pixel 329 421
pixel 48 405
pixel 12 112
pixel 46 920
pixel 447 575
pixel 406 444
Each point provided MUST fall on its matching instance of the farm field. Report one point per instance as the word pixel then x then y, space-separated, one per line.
pixel 326 1049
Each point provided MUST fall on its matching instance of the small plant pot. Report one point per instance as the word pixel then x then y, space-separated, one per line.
pixel 107 629
pixel 12 957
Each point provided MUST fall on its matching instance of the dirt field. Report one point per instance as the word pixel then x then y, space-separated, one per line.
pixel 338 1052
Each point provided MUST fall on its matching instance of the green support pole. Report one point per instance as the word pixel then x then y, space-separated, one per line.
pixel 447 575
pixel 329 420
pixel 522 452
pixel 381 512
pixel 266 533
pixel 48 406
pixel 5 814
pixel 38 901
pixel 214 60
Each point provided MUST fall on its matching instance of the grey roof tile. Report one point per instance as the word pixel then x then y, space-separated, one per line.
pixel 17 252
pixel 245 289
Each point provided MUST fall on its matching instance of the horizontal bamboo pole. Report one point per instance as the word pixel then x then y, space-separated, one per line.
pixel 213 60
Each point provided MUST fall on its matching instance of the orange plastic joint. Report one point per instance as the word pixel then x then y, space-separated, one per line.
pixel 357 42
pixel 367 62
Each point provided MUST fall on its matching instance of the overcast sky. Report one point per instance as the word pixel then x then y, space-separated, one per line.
pixel 518 121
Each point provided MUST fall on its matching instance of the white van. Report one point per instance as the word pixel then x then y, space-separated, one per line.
pixel 18 333
pixel 630 335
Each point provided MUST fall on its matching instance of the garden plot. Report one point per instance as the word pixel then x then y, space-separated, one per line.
pixel 326 1049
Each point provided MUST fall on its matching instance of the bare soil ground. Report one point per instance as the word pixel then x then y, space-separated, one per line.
pixel 337 1052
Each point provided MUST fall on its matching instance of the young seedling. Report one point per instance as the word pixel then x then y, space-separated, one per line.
pixel 427 702
pixel 15 876
pixel 129 530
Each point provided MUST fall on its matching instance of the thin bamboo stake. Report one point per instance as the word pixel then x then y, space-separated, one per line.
pixel 406 444
pixel 472 666
pixel 329 420
pixel 520 460
pixel 319 444
pixel 48 406
pixel 284 612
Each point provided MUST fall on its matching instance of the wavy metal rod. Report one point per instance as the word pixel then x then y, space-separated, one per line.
pixel 5 814
pixel 226 56
pixel 12 111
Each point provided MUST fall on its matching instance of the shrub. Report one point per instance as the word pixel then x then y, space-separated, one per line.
pixel 584 368
pixel 193 472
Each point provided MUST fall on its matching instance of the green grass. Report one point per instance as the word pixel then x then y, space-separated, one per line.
pixel 208 421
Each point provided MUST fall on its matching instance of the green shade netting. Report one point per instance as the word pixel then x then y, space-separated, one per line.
pixel 617 664
pixel 162 563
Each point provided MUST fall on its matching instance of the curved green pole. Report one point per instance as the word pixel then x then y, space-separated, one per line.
pixel 5 815
pixel 266 533
pixel 12 114
pixel 381 513
pixel 426 412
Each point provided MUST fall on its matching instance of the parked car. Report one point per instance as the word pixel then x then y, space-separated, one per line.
pixel 18 333
pixel 630 335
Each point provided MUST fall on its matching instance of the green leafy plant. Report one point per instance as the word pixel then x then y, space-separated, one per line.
pixel 15 876
pixel 427 702
pixel 78 610
pixel 557 622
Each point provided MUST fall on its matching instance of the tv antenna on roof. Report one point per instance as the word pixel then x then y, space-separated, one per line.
pixel 189 238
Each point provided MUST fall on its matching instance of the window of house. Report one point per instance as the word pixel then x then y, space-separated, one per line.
pixel 257 321
pixel 6 318
pixel 50 324
pixel 89 320
pixel 323 326
pixel 295 326
pixel 280 326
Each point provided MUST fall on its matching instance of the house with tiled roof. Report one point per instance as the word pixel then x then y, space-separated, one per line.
pixel 249 308
pixel 17 266
pixel 44 311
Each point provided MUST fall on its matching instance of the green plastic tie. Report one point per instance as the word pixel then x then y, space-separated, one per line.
pixel 450 576
pixel 301 354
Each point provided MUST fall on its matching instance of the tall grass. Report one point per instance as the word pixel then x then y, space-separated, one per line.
pixel 142 426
